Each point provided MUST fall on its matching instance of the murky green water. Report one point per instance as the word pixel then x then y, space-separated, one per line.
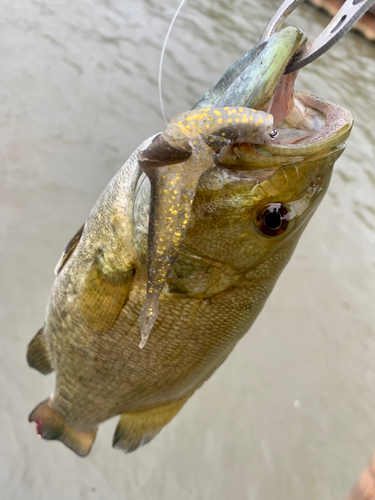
pixel 291 413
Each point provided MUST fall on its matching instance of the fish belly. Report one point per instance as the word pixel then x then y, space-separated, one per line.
pixel 103 374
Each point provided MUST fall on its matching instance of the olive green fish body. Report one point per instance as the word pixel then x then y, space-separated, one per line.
pixel 209 305
pixel 182 250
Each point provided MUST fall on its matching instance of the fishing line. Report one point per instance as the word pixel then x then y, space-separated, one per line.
pixel 162 57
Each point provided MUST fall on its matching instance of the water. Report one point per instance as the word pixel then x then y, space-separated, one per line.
pixel 291 413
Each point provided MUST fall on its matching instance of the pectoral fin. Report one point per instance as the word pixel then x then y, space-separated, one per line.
pixel 105 294
pixel 39 355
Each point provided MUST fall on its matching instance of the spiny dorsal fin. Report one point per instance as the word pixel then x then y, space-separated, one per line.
pixel 39 355
pixel 69 250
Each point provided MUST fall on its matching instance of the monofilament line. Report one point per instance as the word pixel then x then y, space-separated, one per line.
pixel 162 57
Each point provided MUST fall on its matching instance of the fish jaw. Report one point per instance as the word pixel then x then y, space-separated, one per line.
pixel 253 80
pixel 312 126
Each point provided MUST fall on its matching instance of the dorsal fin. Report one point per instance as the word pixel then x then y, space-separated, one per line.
pixel 69 249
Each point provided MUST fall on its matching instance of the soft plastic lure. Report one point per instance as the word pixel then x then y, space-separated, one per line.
pixel 174 163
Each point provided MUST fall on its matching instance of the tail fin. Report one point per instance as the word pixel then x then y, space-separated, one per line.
pixel 51 425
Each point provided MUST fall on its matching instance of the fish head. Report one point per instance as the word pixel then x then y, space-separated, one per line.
pixel 245 214
pixel 254 204
pixel 225 185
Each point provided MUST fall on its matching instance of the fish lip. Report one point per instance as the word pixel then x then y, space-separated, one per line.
pixel 336 128
pixel 333 124
pixel 253 80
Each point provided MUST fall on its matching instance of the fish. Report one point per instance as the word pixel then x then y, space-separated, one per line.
pixel 182 249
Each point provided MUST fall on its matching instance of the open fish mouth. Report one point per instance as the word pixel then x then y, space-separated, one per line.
pixel 305 124
pixel 312 127
pixel 250 120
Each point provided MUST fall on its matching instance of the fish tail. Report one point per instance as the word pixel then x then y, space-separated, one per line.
pixel 138 428
pixel 51 425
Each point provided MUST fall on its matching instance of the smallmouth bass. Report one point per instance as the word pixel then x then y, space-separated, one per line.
pixel 185 261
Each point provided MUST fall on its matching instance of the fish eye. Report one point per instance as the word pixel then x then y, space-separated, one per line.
pixel 273 219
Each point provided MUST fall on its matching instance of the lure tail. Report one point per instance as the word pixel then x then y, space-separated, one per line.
pixel 51 425
pixel 173 186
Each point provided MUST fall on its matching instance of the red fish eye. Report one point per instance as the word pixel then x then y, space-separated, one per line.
pixel 273 219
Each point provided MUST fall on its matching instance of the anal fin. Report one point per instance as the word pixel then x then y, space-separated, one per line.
pixel 138 428
pixel 51 425
pixel 39 355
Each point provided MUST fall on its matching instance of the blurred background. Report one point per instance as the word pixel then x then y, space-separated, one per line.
pixel 291 413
